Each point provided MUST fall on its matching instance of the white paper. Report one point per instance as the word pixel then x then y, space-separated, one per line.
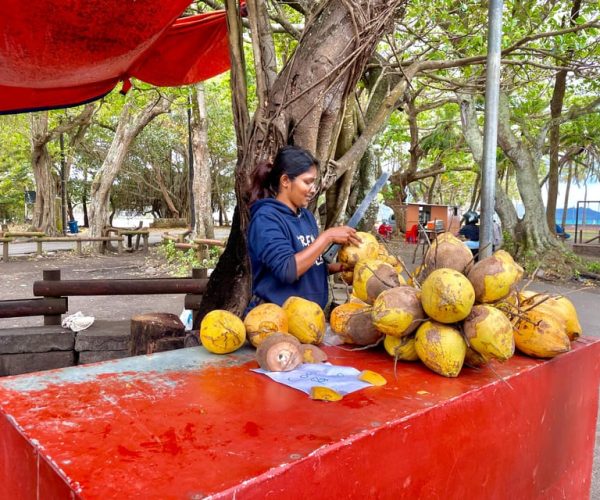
pixel 343 379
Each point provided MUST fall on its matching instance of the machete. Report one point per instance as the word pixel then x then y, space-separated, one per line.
pixel 333 250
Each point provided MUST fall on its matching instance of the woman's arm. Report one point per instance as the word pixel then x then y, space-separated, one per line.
pixel 307 257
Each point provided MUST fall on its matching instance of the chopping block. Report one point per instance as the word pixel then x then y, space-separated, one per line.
pixel 188 424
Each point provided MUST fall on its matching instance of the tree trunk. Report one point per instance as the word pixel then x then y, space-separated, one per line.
pixel 202 182
pixel 129 126
pixel 304 107
pixel 44 212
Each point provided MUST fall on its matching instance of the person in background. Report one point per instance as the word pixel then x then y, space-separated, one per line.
pixel 470 230
pixel 284 243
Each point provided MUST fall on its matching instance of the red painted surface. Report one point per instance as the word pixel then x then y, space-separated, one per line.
pixel 223 430
pixel 64 52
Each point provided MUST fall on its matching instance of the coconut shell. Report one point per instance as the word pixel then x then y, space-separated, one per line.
pixel 222 332
pixel 541 335
pixel 490 333
pixel 447 251
pixel 279 352
pixel 398 311
pixel 473 359
pixel 306 320
pixel 371 277
pixel 312 354
pixel 447 296
pixel 494 277
pixel 441 348
pixel 264 320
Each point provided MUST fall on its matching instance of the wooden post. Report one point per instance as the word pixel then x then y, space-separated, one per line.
pixel 79 245
pixel 51 275
pixel 5 250
pixel 120 246
pixel 39 247
pixel 154 332
pixel 146 238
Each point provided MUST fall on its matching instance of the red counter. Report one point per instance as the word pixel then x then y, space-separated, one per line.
pixel 184 424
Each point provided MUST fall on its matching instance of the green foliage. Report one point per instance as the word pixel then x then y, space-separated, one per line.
pixel 593 267
pixel 183 261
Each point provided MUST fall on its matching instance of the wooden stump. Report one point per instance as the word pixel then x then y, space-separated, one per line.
pixel 154 332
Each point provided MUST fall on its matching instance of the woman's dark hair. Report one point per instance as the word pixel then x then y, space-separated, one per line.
pixel 290 160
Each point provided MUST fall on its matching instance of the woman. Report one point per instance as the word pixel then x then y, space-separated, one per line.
pixel 283 238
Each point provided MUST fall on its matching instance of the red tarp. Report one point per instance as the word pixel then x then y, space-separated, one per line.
pixel 58 53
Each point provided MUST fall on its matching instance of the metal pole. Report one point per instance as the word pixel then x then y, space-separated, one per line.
pixel 492 92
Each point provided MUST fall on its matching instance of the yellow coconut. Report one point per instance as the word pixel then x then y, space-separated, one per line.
pixel 306 320
pixel 371 277
pixel 222 332
pixel 398 311
pixel 342 313
pixel 558 306
pixel 494 277
pixel 441 348
pixel 352 322
pixel 402 348
pixel 264 320
pixel 448 252
pixel 447 296
pixel 349 254
pixel 490 333
pixel 541 335
pixel 347 276
pixel 385 256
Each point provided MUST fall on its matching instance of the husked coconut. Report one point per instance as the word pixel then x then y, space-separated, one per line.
pixel 222 332
pixel 448 252
pixel 264 320
pixel 279 352
pixel 441 348
pixel 402 348
pixel 398 311
pixel 447 296
pixel 371 277
pixel 312 354
pixel 490 333
pixel 494 277
pixel 540 335
pixel 306 320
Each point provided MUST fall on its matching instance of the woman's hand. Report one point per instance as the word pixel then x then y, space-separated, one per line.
pixel 342 235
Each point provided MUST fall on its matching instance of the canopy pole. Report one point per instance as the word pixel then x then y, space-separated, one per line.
pixel 492 92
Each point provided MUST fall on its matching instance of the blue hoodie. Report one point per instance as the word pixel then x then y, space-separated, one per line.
pixel 275 235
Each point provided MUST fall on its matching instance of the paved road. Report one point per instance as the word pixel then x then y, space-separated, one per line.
pixel 25 248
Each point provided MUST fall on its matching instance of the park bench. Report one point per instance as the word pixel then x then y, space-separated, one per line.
pixel 52 346
pixel 139 232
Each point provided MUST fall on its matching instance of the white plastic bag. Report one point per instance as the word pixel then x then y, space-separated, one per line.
pixel 187 318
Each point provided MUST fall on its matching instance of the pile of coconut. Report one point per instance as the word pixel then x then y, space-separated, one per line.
pixel 452 312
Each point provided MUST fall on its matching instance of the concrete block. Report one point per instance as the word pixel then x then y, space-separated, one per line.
pixel 36 339
pixel 15 364
pixel 104 336
pixel 86 357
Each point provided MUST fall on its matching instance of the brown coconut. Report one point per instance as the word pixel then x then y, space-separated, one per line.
pixel 279 352
pixel 398 311
pixel 447 251
pixel 352 322
pixel 494 277
pixel 371 277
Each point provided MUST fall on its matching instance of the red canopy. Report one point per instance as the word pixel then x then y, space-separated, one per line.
pixel 58 53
